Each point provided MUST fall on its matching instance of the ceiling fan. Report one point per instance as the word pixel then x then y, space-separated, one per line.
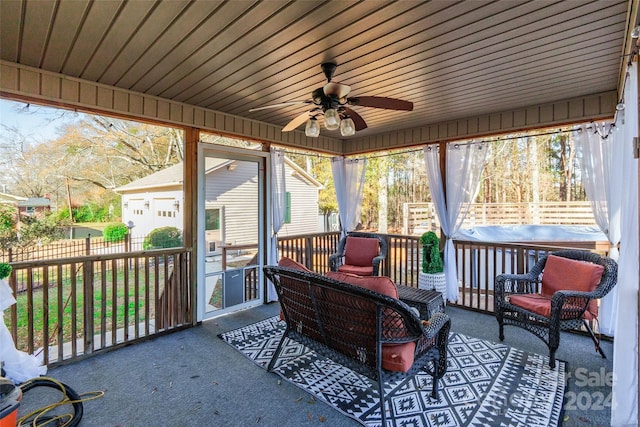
pixel 332 102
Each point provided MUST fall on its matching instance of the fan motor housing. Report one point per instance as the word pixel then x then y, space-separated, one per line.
pixel 324 101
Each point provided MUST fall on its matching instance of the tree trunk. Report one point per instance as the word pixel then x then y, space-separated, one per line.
pixel 383 197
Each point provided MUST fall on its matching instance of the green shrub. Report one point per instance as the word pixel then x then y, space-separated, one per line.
pixel 115 232
pixel 163 237
pixel 431 259
pixel 5 270
pixel 89 212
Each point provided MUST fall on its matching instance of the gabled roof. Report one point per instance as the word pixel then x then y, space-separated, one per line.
pixel 35 202
pixel 173 175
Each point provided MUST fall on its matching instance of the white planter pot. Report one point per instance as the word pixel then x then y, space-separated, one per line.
pixel 437 282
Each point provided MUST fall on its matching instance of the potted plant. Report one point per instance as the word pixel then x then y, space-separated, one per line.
pixel 5 270
pixel 432 274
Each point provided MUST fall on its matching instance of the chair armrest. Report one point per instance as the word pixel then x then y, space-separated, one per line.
pixel 376 265
pixel 507 284
pixel 567 304
pixel 435 324
pixel 439 326
pixel 335 261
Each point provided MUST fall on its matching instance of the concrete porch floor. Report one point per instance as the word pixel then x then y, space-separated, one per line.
pixel 193 378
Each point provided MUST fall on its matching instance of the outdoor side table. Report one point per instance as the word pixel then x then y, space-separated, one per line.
pixel 427 302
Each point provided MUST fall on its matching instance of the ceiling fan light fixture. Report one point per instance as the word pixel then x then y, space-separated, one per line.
pixel 312 129
pixel 347 127
pixel 331 119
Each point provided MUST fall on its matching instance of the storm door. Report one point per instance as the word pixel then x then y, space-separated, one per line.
pixel 230 225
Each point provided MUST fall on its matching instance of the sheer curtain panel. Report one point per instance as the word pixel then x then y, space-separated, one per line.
pixel 624 407
pixel 278 209
pixel 602 154
pixel 348 178
pixel 465 162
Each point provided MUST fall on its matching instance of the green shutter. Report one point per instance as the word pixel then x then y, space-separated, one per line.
pixel 287 215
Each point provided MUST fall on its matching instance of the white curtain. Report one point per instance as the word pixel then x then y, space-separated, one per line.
pixel 465 162
pixel 18 365
pixel 348 178
pixel 602 154
pixel 624 408
pixel 278 209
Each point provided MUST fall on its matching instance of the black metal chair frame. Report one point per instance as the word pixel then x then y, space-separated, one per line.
pixel 567 307
pixel 337 259
pixel 349 324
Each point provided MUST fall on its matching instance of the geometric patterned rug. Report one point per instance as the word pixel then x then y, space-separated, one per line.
pixel 486 384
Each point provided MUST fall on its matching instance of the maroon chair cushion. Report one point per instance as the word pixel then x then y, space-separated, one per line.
pixel 539 304
pixel 398 357
pixel 354 269
pixel 289 263
pixel 568 274
pixel 360 251
pixel 380 284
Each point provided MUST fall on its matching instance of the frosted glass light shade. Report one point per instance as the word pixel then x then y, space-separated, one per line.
pixel 331 119
pixel 347 128
pixel 312 129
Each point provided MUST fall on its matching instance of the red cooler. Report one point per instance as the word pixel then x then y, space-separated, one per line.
pixel 10 396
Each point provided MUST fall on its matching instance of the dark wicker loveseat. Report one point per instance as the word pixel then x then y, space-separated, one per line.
pixel 352 325
pixel 520 299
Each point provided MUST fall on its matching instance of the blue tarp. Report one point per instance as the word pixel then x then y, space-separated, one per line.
pixel 531 233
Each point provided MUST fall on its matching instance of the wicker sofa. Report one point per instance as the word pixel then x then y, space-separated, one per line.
pixel 371 333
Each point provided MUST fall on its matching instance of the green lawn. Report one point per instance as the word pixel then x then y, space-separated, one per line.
pixel 62 300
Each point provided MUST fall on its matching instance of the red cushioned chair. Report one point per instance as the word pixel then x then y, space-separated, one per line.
pixel 359 253
pixel 559 293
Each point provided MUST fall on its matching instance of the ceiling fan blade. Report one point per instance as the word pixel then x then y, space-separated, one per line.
pixel 296 122
pixel 336 89
pixel 282 104
pixel 358 121
pixel 381 102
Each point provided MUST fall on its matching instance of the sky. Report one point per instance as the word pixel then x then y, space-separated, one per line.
pixel 40 124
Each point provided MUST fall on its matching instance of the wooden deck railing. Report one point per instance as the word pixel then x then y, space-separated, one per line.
pixel 311 250
pixel 543 213
pixel 70 307
pixel 478 262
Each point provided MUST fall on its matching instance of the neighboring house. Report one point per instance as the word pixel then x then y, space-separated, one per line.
pixel 33 206
pixel 157 201
pixel 27 206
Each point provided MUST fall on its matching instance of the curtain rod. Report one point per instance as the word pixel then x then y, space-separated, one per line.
pixel 480 141
pixel 472 141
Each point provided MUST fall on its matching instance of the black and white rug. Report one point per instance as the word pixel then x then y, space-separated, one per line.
pixel 486 384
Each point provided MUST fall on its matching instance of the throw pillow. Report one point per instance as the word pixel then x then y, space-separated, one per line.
pixel 569 274
pixel 289 263
pixel 380 284
pixel 360 250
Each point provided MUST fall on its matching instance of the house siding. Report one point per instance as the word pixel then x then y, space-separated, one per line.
pixel 161 211
pixel 304 206
pixel 231 188
pixel 234 190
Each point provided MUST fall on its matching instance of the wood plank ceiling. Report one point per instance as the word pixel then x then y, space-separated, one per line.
pixel 452 59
